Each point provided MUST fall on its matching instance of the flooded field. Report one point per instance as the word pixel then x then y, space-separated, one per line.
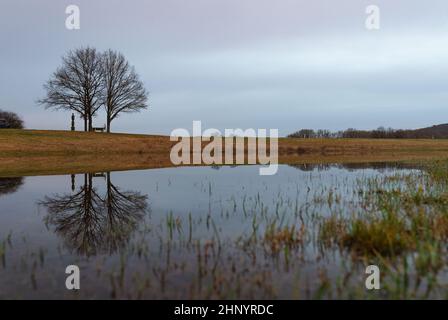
pixel 308 232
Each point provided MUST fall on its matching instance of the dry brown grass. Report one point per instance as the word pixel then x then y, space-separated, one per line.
pixel 43 142
pixel 31 152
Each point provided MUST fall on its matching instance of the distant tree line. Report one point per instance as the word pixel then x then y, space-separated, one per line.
pixel 440 131
pixel 89 80
pixel 310 133
pixel 10 120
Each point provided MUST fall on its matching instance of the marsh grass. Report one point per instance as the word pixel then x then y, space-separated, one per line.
pixel 400 218
pixel 283 238
pixel 403 225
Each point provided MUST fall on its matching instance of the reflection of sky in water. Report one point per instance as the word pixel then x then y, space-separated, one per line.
pixel 181 191
pixel 227 197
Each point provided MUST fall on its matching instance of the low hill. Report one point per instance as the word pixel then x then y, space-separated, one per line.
pixel 438 132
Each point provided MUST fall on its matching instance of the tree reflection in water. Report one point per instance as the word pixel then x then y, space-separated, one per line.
pixel 10 185
pixel 91 223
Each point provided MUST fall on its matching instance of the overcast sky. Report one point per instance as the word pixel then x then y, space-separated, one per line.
pixel 283 64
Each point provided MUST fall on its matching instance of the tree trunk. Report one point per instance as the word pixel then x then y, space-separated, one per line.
pixel 85 123
pixel 108 124
pixel 85 192
pixel 90 123
pixel 109 198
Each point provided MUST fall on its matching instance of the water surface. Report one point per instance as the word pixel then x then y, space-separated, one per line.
pixel 196 232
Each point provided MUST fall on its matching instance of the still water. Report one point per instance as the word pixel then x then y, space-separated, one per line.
pixel 196 232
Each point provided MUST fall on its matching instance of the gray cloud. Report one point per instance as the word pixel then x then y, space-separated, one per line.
pixel 254 63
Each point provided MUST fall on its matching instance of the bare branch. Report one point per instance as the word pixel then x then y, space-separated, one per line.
pixel 77 85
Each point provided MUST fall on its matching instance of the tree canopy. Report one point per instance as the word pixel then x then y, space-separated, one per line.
pixel 89 80
pixel 10 120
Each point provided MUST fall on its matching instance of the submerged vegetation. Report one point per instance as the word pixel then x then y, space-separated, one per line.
pixel 402 223
pixel 401 213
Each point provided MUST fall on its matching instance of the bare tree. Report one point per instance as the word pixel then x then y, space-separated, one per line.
pixel 123 90
pixel 77 85
pixel 10 120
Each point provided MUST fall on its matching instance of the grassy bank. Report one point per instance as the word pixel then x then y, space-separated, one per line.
pixel 30 152
pixel 64 143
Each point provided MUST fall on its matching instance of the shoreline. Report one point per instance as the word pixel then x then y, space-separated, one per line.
pixel 41 152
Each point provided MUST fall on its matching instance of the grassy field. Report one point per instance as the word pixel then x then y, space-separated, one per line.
pixel 28 152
